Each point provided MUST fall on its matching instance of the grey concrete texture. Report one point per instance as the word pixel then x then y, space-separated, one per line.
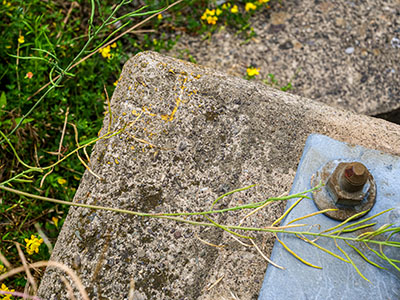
pixel 196 134
pixel 342 53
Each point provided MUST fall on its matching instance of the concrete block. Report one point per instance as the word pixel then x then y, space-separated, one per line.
pixel 198 134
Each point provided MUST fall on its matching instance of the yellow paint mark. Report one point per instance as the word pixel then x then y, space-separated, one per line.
pixel 171 71
pixel 130 87
pixel 109 162
pixel 132 147
pixel 116 162
pixel 124 113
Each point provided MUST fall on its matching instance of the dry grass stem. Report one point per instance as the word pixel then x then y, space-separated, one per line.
pixel 208 243
pixel 265 257
pixel 240 242
pixel 64 22
pixel 31 280
pixel 55 264
pixel 216 282
pixel 5 262
pixel 70 291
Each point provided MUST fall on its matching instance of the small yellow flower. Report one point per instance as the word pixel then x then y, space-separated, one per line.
pixel 21 39
pixel 115 83
pixel 33 244
pixel 55 220
pixel 250 6
pixel 105 52
pixel 160 17
pixel 114 45
pixel 212 20
pixel 251 72
pixel 5 289
pixel 218 11
pixel 61 181
pixel 234 9
pixel 2 269
pixel 263 1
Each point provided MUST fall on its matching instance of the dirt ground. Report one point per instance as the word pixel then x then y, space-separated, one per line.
pixel 343 53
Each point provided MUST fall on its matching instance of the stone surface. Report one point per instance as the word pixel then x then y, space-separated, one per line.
pixel 342 53
pixel 193 134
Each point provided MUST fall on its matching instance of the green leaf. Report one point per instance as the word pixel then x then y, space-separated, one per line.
pixel 3 100
pixel 8 122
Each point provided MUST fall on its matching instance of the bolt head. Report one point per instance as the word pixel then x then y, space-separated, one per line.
pixel 347 184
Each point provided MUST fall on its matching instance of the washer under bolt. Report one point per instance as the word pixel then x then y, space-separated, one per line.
pixel 349 187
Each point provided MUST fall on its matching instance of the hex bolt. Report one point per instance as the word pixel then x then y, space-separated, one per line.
pixel 350 188
pixel 354 177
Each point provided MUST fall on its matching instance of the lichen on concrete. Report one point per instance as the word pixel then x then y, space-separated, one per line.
pixel 191 134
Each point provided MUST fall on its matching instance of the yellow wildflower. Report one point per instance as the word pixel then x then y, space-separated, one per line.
pixel 33 244
pixel 212 20
pixel 116 83
pixel 55 220
pixel 2 269
pixel 250 6
pixel 234 9
pixel 263 1
pixel 61 181
pixel 113 45
pixel 252 71
pixel 160 17
pixel 105 52
pixel 21 39
pixel 226 5
pixel 5 289
pixel 218 11
pixel 209 16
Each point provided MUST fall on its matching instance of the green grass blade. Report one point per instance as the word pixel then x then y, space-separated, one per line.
pixel 364 257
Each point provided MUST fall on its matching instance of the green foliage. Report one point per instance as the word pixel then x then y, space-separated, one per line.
pixel 272 81
pixel 46 90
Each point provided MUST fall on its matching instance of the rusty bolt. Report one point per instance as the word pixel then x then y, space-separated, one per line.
pixel 350 188
pixel 354 177
pixel 347 184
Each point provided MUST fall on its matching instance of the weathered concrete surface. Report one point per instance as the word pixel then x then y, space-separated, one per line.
pixel 206 133
pixel 342 53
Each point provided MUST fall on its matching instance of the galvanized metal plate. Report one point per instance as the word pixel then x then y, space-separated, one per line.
pixel 336 279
